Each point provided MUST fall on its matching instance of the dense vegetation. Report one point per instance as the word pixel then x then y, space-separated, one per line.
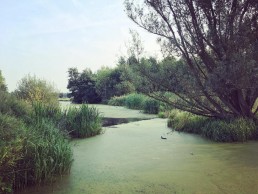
pixel 89 87
pixel 35 134
pixel 239 129
pixel 136 101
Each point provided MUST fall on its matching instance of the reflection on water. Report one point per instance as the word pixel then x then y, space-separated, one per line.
pixel 132 158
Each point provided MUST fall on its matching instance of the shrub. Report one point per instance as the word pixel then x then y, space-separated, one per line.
pixel 12 106
pixel 134 101
pixel 11 150
pixel 186 122
pixel 239 129
pixel 151 106
pixel 117 101
pixel 32 89
pixel 83 121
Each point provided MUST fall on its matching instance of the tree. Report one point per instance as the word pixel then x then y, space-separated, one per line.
pixel 111 82
pixel 82 86
pixel 32 89
pixel 217 43
pixel 2 82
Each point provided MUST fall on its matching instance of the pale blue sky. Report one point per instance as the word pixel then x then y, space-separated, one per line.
pixel 46 37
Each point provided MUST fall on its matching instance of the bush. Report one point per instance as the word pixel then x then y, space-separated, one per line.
pixel 134 101
pixel 12 106
pixel 138 102
pixel 83 121
pixel 186 122
pixel 32 89
pixel 117 101
pixel 12 138
pixel 230 130
pixel 239 129
pixel 151 106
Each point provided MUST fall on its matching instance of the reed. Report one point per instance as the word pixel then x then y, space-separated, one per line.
pixel 83 121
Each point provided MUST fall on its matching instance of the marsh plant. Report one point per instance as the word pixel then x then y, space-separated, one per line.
pixel 230 130
pixel 82 121
pixel 32 151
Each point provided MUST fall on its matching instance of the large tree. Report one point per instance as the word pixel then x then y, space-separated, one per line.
pixel 83 86
pixel 217 42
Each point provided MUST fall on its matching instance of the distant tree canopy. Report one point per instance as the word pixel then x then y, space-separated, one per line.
pixel 111 82
pixel 2 82
pixel 88 87
pixel 32 89
pixel 216 42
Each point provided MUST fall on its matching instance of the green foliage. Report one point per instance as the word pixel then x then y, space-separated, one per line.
pixel 117 101
pixel 32 148
pixel 186 122
pixel 151 106
pixel 240 129
pixel 3 86
pixel 32 89
pixel 31 154
pixel 213 68
pixel 82 86
pixel 134 101
pixel 230 130
pixel 83 121
pixel 54 114
pixel 12 137
pixel 12 106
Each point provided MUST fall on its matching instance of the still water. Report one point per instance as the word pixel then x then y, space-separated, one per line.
pixel 132 158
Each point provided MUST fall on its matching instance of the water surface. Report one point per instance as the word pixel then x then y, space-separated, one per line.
pixel 132 158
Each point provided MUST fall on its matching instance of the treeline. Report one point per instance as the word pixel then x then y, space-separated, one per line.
pixel 89 87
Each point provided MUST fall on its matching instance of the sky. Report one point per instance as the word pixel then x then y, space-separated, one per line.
pixel 46 37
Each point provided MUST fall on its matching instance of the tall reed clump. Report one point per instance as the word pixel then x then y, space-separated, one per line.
pixel 32 148
pixel 83 121
pixel 238 129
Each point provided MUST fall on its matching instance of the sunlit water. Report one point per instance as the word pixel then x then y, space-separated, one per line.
pixel 132 158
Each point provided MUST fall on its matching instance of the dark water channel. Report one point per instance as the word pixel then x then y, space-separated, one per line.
pixel 132 158
pixel 109 122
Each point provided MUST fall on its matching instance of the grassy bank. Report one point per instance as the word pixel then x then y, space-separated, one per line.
pixel 231 130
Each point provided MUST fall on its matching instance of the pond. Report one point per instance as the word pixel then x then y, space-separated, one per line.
pixel 132 158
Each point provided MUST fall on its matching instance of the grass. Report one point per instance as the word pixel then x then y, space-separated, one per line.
pixel 232 130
